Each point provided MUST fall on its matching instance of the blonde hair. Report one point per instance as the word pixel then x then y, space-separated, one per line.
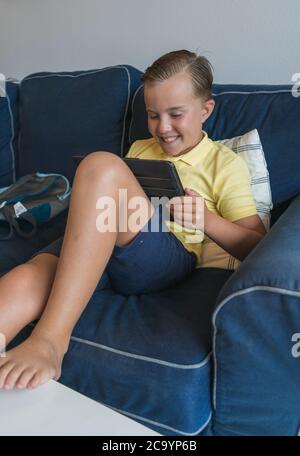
pixel 197 66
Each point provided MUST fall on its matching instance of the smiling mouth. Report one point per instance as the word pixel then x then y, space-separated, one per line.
pixel 169 139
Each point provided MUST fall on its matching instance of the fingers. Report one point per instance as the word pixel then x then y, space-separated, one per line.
pixel 190 220
pixel 188 211
pixel 179 201
pixel 190 216
pixel 191 192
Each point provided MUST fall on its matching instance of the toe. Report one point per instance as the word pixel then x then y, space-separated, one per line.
pixel 34 382
pixel 25 378
pixel 41 377
pixel 13 376
pixel 4 371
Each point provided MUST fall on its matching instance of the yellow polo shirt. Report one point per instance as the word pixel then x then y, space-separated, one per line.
pixel 221 177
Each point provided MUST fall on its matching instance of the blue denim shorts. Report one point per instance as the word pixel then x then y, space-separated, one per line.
pixel 155 259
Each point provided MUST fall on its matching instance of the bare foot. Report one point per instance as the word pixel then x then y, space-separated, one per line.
pixel 31 364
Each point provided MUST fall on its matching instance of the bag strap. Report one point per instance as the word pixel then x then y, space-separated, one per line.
pixel 13 223
pixel 7 218
pixel 29 219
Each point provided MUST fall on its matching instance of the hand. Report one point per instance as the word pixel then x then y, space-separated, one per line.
pixel 189 210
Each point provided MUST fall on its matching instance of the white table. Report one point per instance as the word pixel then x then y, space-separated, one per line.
pixel 54 409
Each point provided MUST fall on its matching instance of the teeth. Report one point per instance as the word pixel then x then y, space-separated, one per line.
pixel 170 139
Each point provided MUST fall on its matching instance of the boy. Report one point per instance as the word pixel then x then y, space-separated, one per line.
pixel 57 283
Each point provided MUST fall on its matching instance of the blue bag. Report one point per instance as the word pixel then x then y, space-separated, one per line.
pixel 31 201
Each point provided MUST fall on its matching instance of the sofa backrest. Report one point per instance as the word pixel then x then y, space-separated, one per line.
pixel 73 113
pixel 8 132
pixel 273 110
pixel 64 114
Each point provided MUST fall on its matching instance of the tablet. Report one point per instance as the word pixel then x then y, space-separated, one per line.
pixel 157 177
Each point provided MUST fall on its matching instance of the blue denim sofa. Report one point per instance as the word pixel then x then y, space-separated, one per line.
pixel 216 354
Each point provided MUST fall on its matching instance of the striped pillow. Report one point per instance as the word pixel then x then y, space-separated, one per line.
pixel 249 147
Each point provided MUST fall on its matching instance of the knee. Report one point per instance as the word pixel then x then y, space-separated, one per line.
pixel 100 163
pixel 23 278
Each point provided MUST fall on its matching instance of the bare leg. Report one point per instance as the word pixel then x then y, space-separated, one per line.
pixel 85 253
pixel 24 292
pixel 23 295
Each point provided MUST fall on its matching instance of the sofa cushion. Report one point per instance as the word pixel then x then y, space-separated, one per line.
pixel 257 365
pixel 73 113
pixel 8 131
pixel 149 356
pixel 272 110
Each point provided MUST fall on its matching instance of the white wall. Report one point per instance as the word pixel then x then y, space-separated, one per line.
pixel 247 41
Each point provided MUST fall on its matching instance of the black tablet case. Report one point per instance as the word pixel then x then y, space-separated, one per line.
pixel 158 178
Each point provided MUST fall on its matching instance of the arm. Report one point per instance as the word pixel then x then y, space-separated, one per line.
pixel 238 238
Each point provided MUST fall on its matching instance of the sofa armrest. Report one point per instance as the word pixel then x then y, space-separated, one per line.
pixel 257 369
pixel 8 132
pixel 276 259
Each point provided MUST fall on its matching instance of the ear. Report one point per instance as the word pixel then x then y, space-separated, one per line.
pixel 207 109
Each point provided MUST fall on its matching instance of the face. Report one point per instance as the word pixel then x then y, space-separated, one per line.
pixel 175 116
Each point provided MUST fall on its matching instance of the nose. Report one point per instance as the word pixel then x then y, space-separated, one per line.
pixel 163 126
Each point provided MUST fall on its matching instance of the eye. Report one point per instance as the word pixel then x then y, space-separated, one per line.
pixel 153 116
